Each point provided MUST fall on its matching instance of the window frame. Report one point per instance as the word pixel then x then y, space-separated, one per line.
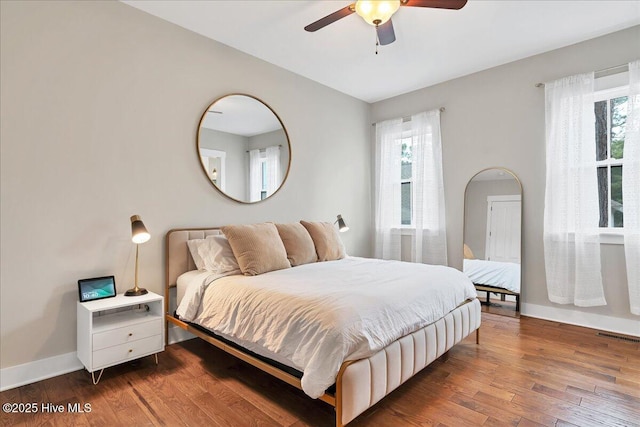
pixel 406 135
pixel 263 172
pixel 607 95
pixel 610 88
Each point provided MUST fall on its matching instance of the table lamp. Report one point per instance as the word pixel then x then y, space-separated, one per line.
pixel 139 234
pixel 342 227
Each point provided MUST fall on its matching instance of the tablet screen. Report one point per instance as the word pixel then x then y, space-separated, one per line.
pixel 96 288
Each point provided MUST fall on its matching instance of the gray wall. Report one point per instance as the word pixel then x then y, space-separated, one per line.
pixel 100 107
pixel 475 210
pixel 236 159
pixel 496 118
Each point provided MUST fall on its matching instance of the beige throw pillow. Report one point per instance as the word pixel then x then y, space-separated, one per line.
pixel 325 237
pixel 257 247
pixel 467 252
pixel 298 243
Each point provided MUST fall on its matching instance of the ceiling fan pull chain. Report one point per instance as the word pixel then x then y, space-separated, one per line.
pixel 377 40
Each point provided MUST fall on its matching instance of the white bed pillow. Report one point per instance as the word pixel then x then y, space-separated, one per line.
pixel 194 246
pixel 213 254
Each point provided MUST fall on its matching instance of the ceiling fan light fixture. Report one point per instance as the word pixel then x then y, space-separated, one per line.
pixel 377 12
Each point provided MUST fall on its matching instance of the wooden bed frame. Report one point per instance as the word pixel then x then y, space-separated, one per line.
pixel 360 384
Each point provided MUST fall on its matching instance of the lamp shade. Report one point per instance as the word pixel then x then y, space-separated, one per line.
pixel 377 12
pixel 341 224
pixel 139 233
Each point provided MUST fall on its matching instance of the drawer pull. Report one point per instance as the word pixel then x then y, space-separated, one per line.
pixel 130 334
pixel 130 350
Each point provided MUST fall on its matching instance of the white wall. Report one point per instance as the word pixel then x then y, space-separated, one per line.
pixel 100 107
pixel 496 118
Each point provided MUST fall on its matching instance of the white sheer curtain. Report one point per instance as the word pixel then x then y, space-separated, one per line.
pixel 255 176
pixel 428 229
pixel 387 195
pixel 631 188
pixel 430 241
pixel 571 211
pixel 273 169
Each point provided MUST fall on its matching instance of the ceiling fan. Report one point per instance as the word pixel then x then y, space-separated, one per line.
pixel 378 13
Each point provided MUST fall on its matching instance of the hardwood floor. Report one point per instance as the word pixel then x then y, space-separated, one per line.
pixel 525 372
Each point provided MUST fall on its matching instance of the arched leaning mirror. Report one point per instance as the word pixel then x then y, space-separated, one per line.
pixel 244 148
pixel 492 236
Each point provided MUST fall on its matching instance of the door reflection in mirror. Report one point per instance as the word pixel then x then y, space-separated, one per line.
pixel 214 162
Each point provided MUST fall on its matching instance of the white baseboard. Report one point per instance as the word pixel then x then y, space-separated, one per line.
pixel 581 318
pixel 32 372
pixel 27 373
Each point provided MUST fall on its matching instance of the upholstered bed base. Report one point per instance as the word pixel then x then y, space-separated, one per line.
pixel 360 384
pixel 367 381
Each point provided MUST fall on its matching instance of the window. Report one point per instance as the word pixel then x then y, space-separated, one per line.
pixel 406 182
pixel 264 173
pixel 409 214
pixel 610 122
pixel 263 176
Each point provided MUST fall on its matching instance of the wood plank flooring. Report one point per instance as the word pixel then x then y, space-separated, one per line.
pixel 525 372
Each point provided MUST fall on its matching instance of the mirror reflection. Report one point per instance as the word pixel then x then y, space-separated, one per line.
pixel 244 148
pixel 492 234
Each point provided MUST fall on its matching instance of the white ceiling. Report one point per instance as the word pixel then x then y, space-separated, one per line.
pixel 432 46
pixel 240 115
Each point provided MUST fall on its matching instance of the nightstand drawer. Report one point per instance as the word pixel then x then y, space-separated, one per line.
pixel 129 351
pixel 126 334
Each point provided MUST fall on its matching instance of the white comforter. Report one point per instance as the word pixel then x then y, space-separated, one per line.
pixel 493 273
pixel 316 316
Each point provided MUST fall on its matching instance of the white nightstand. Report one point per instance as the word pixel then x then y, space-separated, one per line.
pixel 116 330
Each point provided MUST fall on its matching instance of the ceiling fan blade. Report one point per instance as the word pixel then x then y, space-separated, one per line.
pixel 330 19
pixel 386 35
pixel 439 4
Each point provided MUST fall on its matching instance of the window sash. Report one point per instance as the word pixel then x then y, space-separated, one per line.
pixel 406 138
pixel 610 162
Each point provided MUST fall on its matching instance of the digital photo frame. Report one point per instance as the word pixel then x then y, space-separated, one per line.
pixel 96 288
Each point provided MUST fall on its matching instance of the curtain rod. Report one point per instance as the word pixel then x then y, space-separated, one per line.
pixel 408 118
pixel 604 72
pixel 262 149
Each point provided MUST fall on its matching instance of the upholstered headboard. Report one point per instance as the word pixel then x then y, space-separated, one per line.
pixel 178 259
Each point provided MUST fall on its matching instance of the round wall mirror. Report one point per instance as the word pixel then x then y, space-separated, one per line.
pixel 492 236
pixel 244 148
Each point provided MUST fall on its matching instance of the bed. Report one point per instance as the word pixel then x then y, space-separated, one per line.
pixel 501 278
pixel 364 373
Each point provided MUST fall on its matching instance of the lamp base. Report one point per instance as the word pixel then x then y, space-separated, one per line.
pixel 135 292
